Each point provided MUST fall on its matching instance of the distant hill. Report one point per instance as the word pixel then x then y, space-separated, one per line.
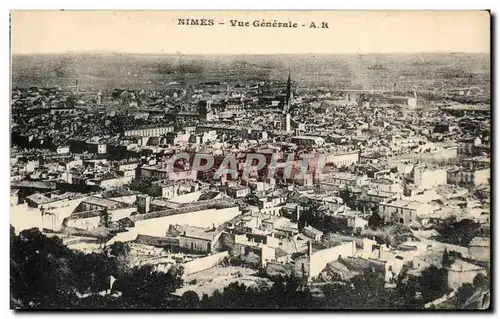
pixel 106 71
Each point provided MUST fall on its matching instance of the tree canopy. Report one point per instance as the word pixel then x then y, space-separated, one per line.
pixel 45 274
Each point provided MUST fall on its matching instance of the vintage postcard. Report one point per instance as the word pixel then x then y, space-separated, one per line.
pixel 250 160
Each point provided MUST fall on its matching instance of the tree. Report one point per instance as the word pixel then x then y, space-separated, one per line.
pixel 121 252
pixel 205 301
pixel 366 291
pixel 433 283
pixel 286 292
pixel 459 233
pixel 142 184
pixel 190 300
pixel 480 281
pixel 464 293
pixel 92 272
pixel 343 168
pixel 408 292
pixel 375 221
pixel 446 259
pixel 330 240
pixel 175 274
pixel 46 274
pixel 40 271
pixel 146 288
pixel 252 259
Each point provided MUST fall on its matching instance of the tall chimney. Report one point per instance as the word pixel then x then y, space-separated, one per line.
pixel 76 85
pixel 309 249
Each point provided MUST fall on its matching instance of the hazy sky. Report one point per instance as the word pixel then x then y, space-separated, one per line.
pixel 158 32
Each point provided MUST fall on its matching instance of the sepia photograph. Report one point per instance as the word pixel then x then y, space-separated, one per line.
pixel 270 160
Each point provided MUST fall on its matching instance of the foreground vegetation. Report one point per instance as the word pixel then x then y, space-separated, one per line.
pixel 45 274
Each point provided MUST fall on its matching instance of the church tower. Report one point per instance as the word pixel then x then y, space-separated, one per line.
pixel 286 107
pixel 289 94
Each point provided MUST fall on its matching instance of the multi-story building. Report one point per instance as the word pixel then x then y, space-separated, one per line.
pixel 400 143
pixel 187 118
pixel 386 185
pixel 308 141
pixel 403 212
pixel 474 171
pixel 162 172
pixel 474 177
pixel 149 132
pixel 467 146
pixel 238 191
pixel 168 189
pixel 337 180
pixel 228 130
pixel 427 178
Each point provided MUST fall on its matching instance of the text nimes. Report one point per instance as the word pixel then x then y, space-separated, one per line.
pixel 254 23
